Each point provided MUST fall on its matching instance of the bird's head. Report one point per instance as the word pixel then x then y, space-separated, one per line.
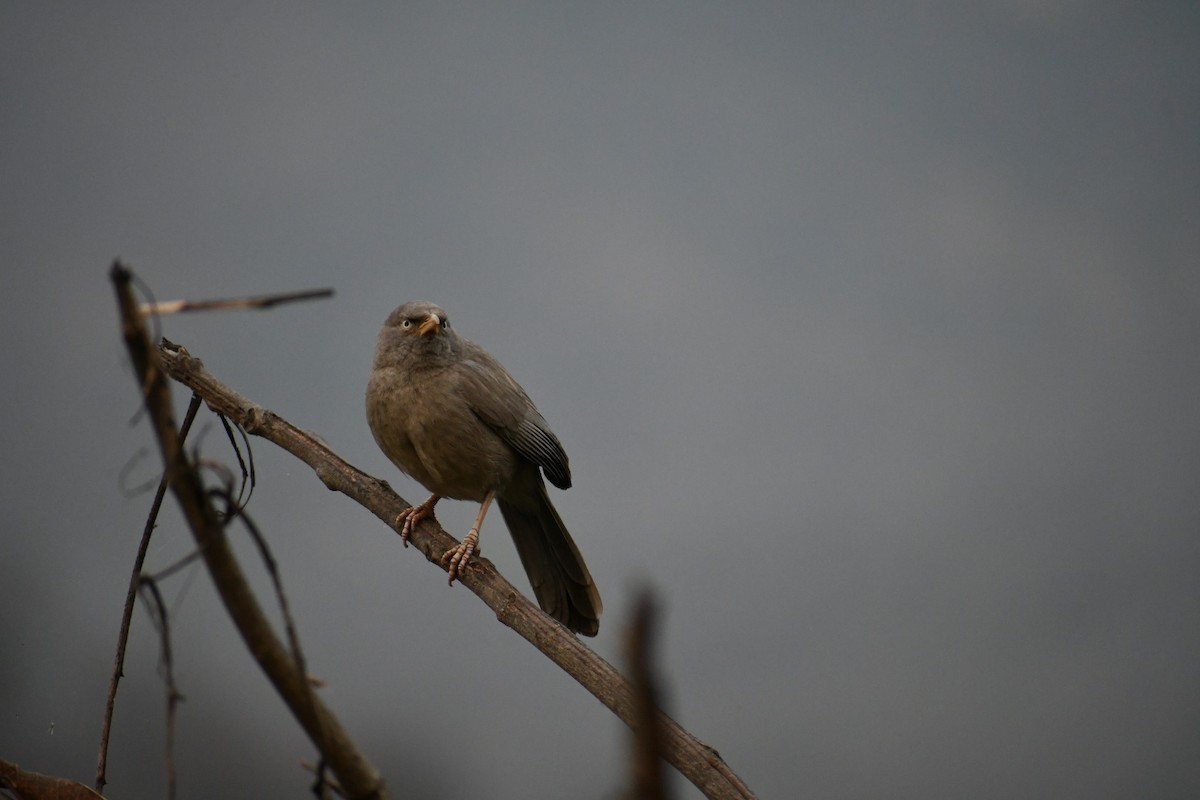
pixel 418 329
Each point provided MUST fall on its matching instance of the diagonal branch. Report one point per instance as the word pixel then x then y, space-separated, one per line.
pixel 701 764
pixel 354 772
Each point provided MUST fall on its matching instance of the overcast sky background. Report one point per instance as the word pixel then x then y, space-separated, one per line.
pixel 872 332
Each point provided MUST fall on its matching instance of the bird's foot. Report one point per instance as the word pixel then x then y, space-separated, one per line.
pixel 460 555
pixel 414 514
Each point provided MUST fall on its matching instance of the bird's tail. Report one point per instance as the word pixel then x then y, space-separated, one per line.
pixel 561 581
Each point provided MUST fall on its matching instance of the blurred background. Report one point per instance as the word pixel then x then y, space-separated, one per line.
pixel 872 332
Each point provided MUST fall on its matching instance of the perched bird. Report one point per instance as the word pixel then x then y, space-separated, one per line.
pixel 449 415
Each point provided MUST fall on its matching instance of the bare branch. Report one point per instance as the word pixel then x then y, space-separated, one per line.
pixel 354 772
pixel 259 302
pixel 701 764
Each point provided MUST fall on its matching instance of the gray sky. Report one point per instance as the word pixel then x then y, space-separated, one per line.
pixel 872 332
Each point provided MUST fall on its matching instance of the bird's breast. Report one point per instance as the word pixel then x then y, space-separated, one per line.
pixel 430 433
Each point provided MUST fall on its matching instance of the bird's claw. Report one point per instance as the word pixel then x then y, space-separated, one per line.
pixel 414 514
pixel 456 558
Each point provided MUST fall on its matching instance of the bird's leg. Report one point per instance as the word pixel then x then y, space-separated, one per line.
pixel 414 514
pixel 460 554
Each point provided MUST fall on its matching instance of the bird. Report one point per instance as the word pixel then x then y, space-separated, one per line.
pixel 445 411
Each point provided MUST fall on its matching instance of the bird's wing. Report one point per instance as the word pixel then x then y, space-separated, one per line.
pixel 504 407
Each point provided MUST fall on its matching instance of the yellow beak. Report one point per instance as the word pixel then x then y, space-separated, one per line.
pixel 431 325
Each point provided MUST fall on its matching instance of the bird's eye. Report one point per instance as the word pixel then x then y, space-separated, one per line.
pixel 406 324
pixel 445 324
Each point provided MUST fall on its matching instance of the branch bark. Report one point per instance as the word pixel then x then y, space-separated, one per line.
pixel 358 778
pixel 26 785
pixel 698 762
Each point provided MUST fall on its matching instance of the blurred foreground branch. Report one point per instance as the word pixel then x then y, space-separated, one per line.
pixel 26 785
pixel 284 669
pixel 648 741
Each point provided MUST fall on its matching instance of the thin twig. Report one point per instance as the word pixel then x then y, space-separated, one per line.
pixel 127 470
pixel 259 302
pixel 323 786
pixel 248 476
pixel 158 612
pixel 171 569
pixel 234 511
pixel 130 596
